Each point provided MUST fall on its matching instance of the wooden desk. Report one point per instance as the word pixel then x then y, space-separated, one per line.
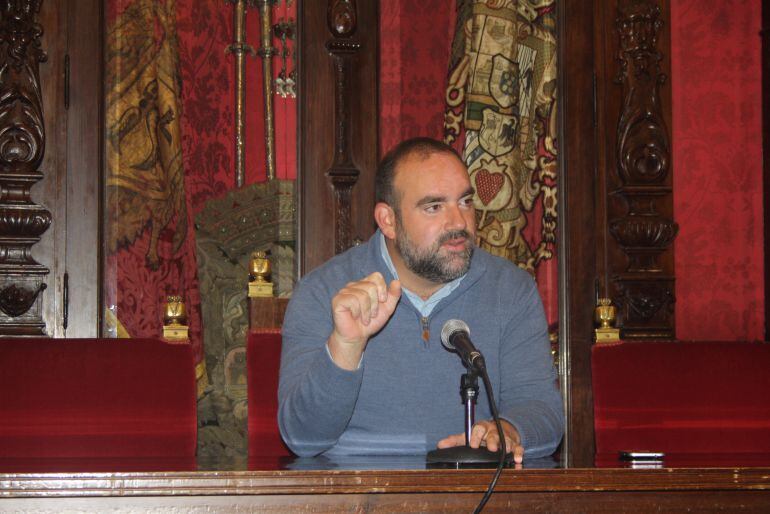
pixel 396 486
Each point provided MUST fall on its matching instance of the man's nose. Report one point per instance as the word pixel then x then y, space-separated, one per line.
pixel 456 218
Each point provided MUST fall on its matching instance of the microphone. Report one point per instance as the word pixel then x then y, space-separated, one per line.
pixel 455 335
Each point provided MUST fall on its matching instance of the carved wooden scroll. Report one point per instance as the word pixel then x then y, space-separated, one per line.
pixel 644 290
pixel 22 144
pixel 342 21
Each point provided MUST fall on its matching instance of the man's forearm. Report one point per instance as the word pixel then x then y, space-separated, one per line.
pixel 316 405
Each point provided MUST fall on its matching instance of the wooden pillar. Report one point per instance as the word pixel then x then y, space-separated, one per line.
pixel 338 141
pixel 635 172
pixel 22 145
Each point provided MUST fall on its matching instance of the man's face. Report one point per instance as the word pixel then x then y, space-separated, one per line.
pixel 435 218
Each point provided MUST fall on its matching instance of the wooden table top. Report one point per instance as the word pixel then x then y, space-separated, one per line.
pixel 363 475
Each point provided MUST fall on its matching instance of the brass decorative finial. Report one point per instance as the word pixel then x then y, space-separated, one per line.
pixel 175 319
pixel 259 275
pixel 605 316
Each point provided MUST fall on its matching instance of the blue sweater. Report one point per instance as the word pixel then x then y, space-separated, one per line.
pixel 405 395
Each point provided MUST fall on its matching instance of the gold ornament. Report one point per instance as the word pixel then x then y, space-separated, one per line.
pixel 174 319
pixel 259 274
pixel 605 314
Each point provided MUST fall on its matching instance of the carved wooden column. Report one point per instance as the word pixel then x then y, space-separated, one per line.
pixel 338 113
pixel 22 144
pixel 640 205
pixel 342 20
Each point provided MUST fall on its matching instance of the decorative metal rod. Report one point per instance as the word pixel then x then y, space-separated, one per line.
pixel 239 47
pixel 266 52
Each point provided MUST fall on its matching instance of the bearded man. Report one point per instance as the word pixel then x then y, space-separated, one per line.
pixel 363 370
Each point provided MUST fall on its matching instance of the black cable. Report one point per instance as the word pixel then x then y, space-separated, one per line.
pixel 503 450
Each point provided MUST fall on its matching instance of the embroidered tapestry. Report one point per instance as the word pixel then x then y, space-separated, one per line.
pixel 501 105
pixel 149 249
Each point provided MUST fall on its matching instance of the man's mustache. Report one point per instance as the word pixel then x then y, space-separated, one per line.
pixel 454 234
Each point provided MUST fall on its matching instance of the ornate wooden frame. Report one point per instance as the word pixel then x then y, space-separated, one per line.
pixel 22 145
pixel 642 288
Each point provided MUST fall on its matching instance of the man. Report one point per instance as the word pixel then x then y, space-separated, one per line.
pixel 363 370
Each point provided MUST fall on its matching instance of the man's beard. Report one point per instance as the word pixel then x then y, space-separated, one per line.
pixel 432 264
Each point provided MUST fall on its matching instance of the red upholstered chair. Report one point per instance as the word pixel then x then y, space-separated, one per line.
pixel 263 357
pixel 681 397
pixel 88 398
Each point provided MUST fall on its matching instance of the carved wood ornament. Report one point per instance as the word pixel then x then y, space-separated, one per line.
pixel 644 290
pixel 343 174
pixel 22 145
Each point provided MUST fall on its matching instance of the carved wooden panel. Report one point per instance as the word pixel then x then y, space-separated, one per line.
pixel 343 174
pixel 634 190
pixel 22 145
pixel 338 126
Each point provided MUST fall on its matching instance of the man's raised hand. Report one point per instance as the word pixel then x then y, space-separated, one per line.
pixel 360 310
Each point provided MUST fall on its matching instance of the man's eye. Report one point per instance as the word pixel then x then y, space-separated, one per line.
pixel 467 201
pixel 432 208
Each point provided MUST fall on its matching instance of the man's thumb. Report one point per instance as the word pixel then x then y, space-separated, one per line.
pixel 394 294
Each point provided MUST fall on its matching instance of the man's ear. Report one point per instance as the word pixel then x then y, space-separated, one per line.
pixel 385 217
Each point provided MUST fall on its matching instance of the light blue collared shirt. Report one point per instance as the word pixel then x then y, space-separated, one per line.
pixel 425 307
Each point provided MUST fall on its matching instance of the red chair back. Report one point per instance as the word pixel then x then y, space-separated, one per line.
pixel 682 397
pixel 263 357
pixel 85 398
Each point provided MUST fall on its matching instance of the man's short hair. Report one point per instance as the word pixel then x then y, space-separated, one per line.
pixel 386 171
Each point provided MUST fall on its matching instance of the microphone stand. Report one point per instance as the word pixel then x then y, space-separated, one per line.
pixel 469 391
pixel 465 456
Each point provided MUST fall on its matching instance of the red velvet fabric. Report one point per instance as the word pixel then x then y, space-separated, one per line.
pixel 716 81
pixel 263 360
pixel 682 397
pixel 415 39
pixel 87 398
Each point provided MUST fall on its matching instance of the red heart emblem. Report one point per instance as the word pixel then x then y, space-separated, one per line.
pixel 488 185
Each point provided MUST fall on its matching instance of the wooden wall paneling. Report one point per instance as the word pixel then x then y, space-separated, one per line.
pixel 338 151
pixel 577 234
pixel 634 88
pixel 28 123
pixel 66 179
pixel 50 191
pixel 83 169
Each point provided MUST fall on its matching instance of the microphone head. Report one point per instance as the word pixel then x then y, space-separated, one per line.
pixel 451 327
